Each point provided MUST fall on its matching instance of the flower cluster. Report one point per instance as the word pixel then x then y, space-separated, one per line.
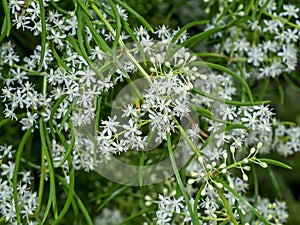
pixel 27 200
pixel 268 49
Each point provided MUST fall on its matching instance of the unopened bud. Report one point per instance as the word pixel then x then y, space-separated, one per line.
pixel 232 149
pixel 259 145
pixel 252 150
pixel 248 168
pixel 194 174
pixel 222 166
pixel 263 165
pixel 200 159
pixel 191 181
pixel 225 155
pixel 245 177
pixel 219 185
pixel 148 198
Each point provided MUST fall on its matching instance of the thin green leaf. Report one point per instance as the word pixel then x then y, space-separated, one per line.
pixel 179 182
pixel 43 34
pixel 249 7
pixel 66 116
pixel 279 4
pixel 59 9
pixel 140 169
pixel 243 200
pixel 70 193
pixel 229 102
pixel 118 24
pixel 229 72
pixel 52 195
pixel 80 29
pixel 225 222
pixel 78 200
pixel 276 163
pixel 193 40
pixel 264 88
pixel 69 147
pixel 288 80
pixel 204 112
pixel 54 109
pixel 262 9
pixel 187 26
pixel 197 199
pixel 280 89
pixel 186 138
pixel 112 196
pixel 98 39
pixel 221 130
pixel 74 44
pixel 58 59
pixel 227 206
pixel 212 54
pixel 241 214
pixel 3 33
pixel 84 211
pixel 288 123
pixel 4 122
pixel 16 171
pixel 136 215
pixel 7 17
pixel 134 38
pixel 274 181
pixel 135 14
pixel 85 8
pixel 42 169
pixel 255 181
pixel 75 208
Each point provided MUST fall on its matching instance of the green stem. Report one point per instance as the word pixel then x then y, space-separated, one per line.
pixel 179 181
pixel 186 137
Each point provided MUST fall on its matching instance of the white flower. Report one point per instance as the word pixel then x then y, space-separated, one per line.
pixel 8 169
pixel 29 121
pixel 110 126
pixel 97 52
pixel 255 55
pixel 291 35
pixel 15 5
pixel 34 10
pixel 270 26
pixel 141 32
pixel 290 10
pixel 241 45
pixel 163 32
pixel 122 12
pixel 132 129
pixel 57 37
pixel 21 21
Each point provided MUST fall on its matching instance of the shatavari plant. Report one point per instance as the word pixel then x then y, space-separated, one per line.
pixel 108 120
